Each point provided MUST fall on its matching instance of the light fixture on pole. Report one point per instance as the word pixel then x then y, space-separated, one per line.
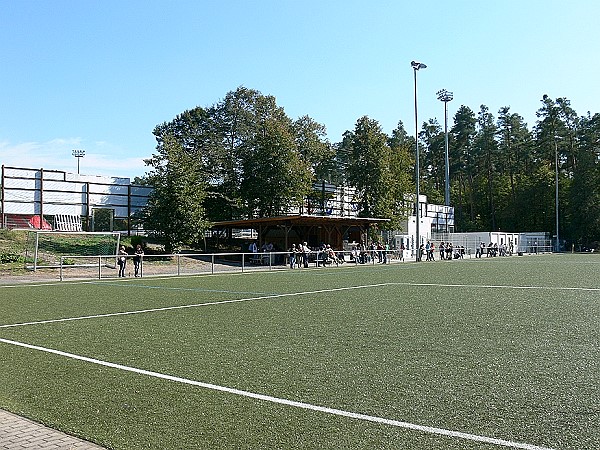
pixel 416 66
pixel 78 154
pixel 445 96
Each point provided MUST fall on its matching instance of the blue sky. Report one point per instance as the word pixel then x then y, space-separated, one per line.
pixel 100 75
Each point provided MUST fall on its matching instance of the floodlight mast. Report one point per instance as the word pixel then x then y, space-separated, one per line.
pixel 545 99
pixel 78 154
pixel 417 66
pixel 446 96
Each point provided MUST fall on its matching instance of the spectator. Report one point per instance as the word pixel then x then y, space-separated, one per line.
pixel 292 256
pixel 305 252
pixel 137 260
pixel 122 260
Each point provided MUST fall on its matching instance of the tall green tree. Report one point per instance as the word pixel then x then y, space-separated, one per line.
pixel 175 213
pixel 402 166
pixel 433 177
pixel 254 159
pixel 514 167
pixel 463 170
pixel 582 213
pixel 555 151
pixel 369 170
pixel 486 150
pixel 315 150
pixel 274 176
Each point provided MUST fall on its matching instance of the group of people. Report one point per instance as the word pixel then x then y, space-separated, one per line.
pixel 137 260
pixel 493 249
pixel 298 255
pixel 364 254
pixel 447 251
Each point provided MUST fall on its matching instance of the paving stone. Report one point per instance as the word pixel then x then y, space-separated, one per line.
pixel 20 433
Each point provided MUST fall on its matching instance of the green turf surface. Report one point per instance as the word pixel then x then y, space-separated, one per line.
pixel 506 348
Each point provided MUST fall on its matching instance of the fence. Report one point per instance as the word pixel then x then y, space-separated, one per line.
pixel 180 264
pixel 102 266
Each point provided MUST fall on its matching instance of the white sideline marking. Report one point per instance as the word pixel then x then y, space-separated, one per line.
pixel 282 401
pixel 289 294
pixel 195 305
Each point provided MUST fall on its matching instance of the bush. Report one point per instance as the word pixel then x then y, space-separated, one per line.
pixel 7 257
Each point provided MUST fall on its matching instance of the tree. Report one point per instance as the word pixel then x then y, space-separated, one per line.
pixel 370 171
pixel 514 166
pixel 254 159
pixel 463 169
pixel 274 176
pixel 554 149
pixel 316 152
pixel 486 149
pixel 402 166
pixel 583 209
pixel 433 178
pixel 175 213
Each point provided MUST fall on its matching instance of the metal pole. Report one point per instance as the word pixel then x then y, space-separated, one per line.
pixel 447 172
pixel 556 194
pixel 445 97
pixel 417 237
pixel 416 66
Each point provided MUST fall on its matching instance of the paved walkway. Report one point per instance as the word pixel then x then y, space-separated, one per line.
pixel 19 433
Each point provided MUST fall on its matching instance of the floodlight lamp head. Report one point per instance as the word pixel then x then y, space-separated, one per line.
pixel 417 65
pixel 444 95
pixel 78 153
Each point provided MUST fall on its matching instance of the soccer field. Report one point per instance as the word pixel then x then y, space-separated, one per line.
pixel 467 354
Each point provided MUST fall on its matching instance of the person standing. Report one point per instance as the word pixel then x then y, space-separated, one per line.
pixel 137 260
pixel 122 260
pixel 292 256
pixel 305 251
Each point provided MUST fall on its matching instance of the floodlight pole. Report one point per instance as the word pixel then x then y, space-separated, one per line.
pixel 556 191
pixel 545 97
pixel 78 154
pixel 416 66
pixel 446 97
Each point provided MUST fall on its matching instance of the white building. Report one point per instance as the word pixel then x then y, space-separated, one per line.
pixel 432 219
pixel 39 198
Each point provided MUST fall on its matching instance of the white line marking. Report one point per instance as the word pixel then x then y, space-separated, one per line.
pixel 290 294
pixel 195 305
pixel 282 401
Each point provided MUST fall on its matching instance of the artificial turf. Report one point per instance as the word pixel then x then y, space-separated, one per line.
pixel 506 348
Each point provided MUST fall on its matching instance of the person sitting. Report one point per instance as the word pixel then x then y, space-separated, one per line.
pixel 330 256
